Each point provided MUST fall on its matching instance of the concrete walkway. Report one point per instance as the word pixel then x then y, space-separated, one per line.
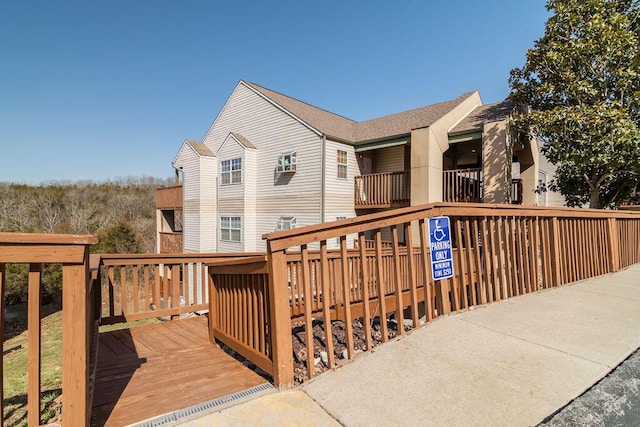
pixel 511 363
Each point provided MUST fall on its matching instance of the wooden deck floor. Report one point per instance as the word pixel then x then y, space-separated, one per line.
pixel 154 369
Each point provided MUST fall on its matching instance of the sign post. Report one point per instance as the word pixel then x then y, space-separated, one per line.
pixel 440 245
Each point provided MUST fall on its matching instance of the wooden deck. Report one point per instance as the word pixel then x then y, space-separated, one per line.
pixel 155 369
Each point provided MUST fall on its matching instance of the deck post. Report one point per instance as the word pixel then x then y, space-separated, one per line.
pixel 280 319
pixel 614 247
pixel 75 343
pixel 213 301
pixel 555 241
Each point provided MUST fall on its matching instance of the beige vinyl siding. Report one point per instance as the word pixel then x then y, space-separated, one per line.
pixel 390 159
pixel 250 185
pixel 231 197
pixel 208 204
pixel 553 199
pixel 339 201
pixel 189 162
pixel 272 132
pixel 225 246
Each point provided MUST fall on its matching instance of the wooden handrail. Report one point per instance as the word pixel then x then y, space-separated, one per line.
pixel 169 197
pixel 462 185
pixel 141 286
pixel 380 190
pixel 499 251
pixel 78 322
pixel 315 233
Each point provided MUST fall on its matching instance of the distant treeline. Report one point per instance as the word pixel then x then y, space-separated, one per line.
pixel 120 212
pixel 83 208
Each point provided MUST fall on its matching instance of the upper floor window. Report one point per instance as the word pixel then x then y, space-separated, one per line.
pixel 342 164
pixel 287 162
pixel 231 171
pixel 286 223
pixel 231 228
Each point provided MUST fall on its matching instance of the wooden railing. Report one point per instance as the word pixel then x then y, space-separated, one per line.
pixel 142 286
pixel 516 191
pixel 371 244
pixel 239 310
pixel 500 251
pixel 79 325
pixel 168 198
pixel 382 190
pixel 170 243
pixel 462 185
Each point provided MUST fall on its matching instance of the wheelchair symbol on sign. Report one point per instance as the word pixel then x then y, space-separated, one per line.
pixel 438 232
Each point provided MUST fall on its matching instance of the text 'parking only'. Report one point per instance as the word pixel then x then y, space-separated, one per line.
pixel 440 245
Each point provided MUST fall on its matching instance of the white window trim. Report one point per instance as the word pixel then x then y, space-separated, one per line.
pixel 345 164
pixel 230 171
pixel 287 167
pixel 230 228
pixel 290 221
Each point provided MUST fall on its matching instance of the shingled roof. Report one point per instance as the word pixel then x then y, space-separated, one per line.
pixel 344 129
pixel 200 148
pixel 481 115
pixel 403 123
pixel 324 121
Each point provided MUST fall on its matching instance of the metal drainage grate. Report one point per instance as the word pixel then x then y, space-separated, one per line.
pixel 202 407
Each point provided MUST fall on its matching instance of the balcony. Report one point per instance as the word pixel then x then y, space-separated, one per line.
pixel 170 243
pixel 462 185
pixel 382 190
pixel 169 198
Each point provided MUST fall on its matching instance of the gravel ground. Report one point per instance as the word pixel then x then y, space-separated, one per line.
pixel 614 401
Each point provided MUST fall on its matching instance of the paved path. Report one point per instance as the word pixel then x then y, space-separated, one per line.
pixel 511 363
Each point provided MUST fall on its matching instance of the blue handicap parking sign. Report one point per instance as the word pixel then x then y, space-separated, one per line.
pixel 440 246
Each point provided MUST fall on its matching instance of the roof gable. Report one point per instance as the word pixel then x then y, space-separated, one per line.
pixel 347 130
pixel 238 139
pixel 197 147
pixel 481 115
pixel 403 123
pixel 321 121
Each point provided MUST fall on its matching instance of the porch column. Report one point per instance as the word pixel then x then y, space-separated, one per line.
pixel 529 157
pixel 426 167
pixel 496 162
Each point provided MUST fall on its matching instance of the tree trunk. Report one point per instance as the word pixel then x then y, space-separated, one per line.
pixel 594 199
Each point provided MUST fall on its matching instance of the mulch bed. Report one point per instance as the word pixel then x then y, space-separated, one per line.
pixel 339 335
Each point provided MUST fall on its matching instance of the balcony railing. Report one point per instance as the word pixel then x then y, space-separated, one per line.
pixel 382 190
pixel 169 198
pixel 170 243
pixel 462 185
pixel 79 319
pixel 516 191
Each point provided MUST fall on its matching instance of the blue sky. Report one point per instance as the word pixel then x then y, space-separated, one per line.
pixel 96 90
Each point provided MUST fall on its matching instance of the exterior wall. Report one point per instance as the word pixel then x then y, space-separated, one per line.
pixel 189 162
pixel 208 204
pixel 529 164
pixel 272 132
pixel 390 159
pixel 250 213
pixel 427 147
pixel 553 198
pixel 199 193
pixel 496 163
pixel 339 193
pixel 231 197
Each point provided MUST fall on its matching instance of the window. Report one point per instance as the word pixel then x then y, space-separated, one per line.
pixel 342 164
pixel 230 229
pixel 287 162
pixel 286 223
pixel 231 171
pixel 338 218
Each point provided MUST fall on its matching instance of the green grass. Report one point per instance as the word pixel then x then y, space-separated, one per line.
pixel 16 364
pixel 15 371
